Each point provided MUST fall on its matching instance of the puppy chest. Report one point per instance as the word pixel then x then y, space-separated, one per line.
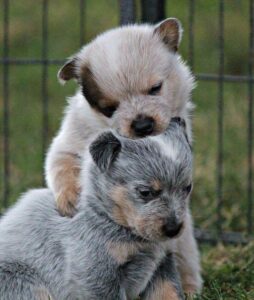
pixel 137 263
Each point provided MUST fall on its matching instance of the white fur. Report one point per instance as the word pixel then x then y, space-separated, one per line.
pixel 167 148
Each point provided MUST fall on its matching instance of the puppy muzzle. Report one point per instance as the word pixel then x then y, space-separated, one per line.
pixel 172 230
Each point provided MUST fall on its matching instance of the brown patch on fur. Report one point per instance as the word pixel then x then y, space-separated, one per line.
pixel 105 102
pixel 42 294
pixel 95 97
pixel 66 171
pixel 126 129
pixel 123 212
pixel 121 251
pixel 151 227
pixel 156 185
pixel 164 290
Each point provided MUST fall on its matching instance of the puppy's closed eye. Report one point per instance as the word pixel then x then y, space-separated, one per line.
pixel 155 89
pixel 108 111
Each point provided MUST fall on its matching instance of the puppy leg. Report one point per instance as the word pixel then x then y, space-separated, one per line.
pixel 137 272
pixel 64 172
pixel 165 283
pixel 188 261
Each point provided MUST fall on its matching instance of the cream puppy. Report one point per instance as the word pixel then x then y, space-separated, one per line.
pixel 133 80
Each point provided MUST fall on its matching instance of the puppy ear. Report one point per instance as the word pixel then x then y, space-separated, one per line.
pixel 170 31
pixel 104 150
pixel 180 123
pixel 68 71
pixel 176 122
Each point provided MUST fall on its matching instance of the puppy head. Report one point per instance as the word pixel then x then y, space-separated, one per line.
pixel 144 184
pixel 133 77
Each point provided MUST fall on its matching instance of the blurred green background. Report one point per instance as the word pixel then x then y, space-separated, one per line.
pixel 26 157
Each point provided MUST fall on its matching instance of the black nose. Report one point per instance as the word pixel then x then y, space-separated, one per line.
pixel 171 230
pixel 143 126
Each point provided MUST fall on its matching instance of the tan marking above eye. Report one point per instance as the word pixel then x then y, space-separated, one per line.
pixel 156 185
pixel 123 212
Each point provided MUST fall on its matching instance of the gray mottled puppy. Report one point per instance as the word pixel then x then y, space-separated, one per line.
pixel 119 245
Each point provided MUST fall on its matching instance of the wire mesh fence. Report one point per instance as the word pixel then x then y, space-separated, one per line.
pixel 151 11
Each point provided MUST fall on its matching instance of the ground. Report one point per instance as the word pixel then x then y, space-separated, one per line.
pixel 228 273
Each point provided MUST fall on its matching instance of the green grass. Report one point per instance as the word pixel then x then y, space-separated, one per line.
pixel 26 156
pixel 228 273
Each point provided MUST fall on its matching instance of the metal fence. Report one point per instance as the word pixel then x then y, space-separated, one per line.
pixel 152 11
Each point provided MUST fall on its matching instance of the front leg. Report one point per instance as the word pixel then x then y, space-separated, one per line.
pixel 187 259
pixel 63 169
pixel 165 283
pixel 137 272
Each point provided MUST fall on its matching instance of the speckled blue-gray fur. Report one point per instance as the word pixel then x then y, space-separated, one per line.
pixel 119 244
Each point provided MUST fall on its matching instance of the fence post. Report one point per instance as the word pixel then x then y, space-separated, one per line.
pixel 153 11
pixel 191 33
pixel 127 12
pixel 250 122
pixel 6 131
pixel 220 110
pixel 82 23
pixel 44 80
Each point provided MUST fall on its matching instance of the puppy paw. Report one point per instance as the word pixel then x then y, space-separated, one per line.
pixel 190 291
pixel 66 202
pixel 192 286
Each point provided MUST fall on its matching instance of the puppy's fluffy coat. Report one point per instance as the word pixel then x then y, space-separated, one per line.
pixel 133 80
pixel 119 244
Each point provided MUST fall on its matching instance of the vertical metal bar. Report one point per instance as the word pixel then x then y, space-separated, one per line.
pixel 6 131
pixel 127 12
pixel 44 83
pixel 82 22
pixel 191 33
pixel 153 11
pixel 220 119
pixel 250 121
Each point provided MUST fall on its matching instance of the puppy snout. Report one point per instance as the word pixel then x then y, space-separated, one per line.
pixel 143 125
pixel 172 229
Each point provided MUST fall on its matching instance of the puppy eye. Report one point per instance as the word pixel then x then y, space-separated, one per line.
pixel 187 189
pixel 109 110
pixel 148 194
pixel 154 90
